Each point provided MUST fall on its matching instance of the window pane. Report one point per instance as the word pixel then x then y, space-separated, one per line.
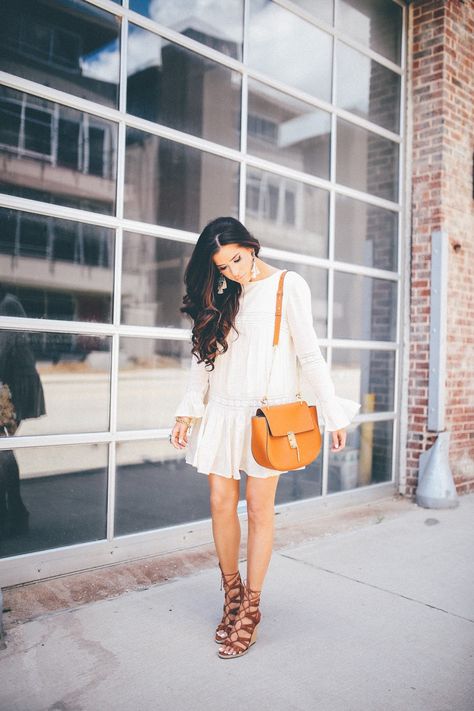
pixel 287 131
pixel 366 161
pixel 321 9
pixel 156 488
pixel 366 458
pixel 71 46
pixel 153 281
pixel 278 207
pixel 375 23
pixel 214 23
pixel 366 376
pixel 58 269
pixel 367 88
pixel 181 89
pixel 174 185
pixel 152 372
pixel 366 234
pixel 364 308
pixel 56 154
pixel 289 49
pixel 59 382
pixel 56 496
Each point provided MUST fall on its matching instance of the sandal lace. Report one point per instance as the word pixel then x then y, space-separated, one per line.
pixel 249 616
pixel 232 584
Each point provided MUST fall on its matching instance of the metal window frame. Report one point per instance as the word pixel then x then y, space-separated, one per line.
pixel 55 561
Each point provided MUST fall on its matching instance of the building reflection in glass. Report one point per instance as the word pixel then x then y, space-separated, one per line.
pixel 365 375
pixel 364 308
pixel 373 232
pixel 175 185
pixel 156 488
pixel 64 489
pixel 367 88
pixel 69 45
pixel 289 49
pixel 214 23
pixel 176 87
pixel 55 154
pixel 375 24
pixel 152 378
pixel 75 375
pixel 152 280
pixel 287 131
pixel 284 212
pixel 366 161
pixel 59 269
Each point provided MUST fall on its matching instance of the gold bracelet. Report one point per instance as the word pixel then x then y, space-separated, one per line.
pixel 185 420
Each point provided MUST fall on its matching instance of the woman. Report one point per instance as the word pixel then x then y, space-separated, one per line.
pixel 231 296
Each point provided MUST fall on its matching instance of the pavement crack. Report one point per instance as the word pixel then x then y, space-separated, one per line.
pixel 372 585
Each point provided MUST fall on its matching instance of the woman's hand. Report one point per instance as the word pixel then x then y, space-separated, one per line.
pixel 179 435
pixel 338 440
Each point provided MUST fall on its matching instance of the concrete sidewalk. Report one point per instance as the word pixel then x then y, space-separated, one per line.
pixel 380 617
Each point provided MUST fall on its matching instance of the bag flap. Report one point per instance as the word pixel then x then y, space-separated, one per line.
pixel 287 417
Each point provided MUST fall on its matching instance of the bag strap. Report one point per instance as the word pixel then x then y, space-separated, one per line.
pixel 276 335
pixel 279 301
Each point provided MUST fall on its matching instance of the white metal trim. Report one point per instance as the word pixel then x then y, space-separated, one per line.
pixel 405 231
pixel 48 209
pixel 110 6
pixel 59 440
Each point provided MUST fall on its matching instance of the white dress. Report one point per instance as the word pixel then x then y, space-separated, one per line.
pixel 226 398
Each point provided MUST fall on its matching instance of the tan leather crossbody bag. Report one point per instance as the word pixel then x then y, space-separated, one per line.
pixel 286 436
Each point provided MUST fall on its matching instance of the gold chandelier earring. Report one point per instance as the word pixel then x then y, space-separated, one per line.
pixel 221 284
pixel 254 270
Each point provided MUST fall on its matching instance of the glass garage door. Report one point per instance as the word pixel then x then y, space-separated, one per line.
pixel 124 128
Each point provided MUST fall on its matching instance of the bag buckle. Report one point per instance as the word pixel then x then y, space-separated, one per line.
pixel 293 443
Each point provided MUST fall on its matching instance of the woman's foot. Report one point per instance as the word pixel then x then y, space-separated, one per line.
pixel 244 631
pixel 232 583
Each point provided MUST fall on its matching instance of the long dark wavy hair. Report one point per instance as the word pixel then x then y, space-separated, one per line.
pixel 213 314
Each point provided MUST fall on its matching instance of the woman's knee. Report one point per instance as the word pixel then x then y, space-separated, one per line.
pixel 224 497
pixel 260 497
pixel 260 511
pixel 222 505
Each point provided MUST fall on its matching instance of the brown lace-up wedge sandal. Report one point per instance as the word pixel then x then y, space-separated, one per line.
pixel 244 631
pixel 232 583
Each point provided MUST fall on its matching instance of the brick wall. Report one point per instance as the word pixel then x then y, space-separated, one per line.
pixel 441 65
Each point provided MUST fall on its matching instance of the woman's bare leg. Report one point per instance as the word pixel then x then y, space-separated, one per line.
pixel 260 497
pixel 261 519
pixel 224 498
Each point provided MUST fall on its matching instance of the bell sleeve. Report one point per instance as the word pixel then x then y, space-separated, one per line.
pixel 192 403
pixel 336 412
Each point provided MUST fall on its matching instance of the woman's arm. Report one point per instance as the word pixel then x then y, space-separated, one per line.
pixel 337 412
